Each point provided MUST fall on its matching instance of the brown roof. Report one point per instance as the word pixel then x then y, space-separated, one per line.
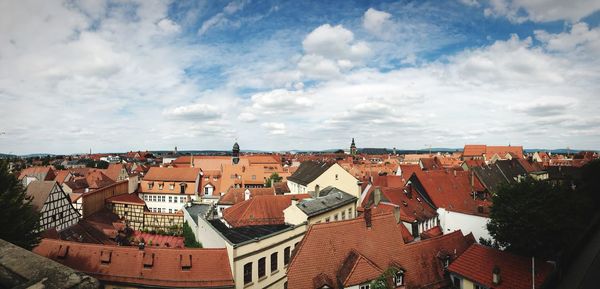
pixel 126 199
pixel 45 172
pixel 260 210
pixel 381 244
pixel 478 262
pixel 61 176
pixel 473 150
pixel 236 195
pixel 40 190
pixel 114 171
pixel 161 267
pixel 172 174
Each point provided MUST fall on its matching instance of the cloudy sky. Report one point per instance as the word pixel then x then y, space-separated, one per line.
pixel 277 75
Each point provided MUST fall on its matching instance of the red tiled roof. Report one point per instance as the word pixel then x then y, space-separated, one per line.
pixel 474 163
pixel 172 174
pixel 159 240
pixel 453 191
pixel 478 262
pixel 490 151
pixel 381 244
pixel 61 175
pixel 114 171
pixel 260 210
pixel 473 150
pixel 430 163
pixel 433 232
pixel 163 267
pixel 411 208
pixel 31 171
pixel 357 269
pixel 236 195
pixel 126 199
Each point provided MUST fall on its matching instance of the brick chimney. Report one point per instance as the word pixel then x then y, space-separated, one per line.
pixel 317 191
pixel 496 275
pixel 367 216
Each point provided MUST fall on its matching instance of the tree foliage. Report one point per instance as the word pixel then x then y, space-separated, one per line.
pixel 539 218
pixel 18 219
pixel 188 237
pixel 274 178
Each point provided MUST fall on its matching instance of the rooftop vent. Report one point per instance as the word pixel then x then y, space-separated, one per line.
pixel 105 256
pixel 148 260
pixel 186 262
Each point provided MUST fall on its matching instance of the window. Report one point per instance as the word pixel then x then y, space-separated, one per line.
pixel 479 286
pixel 327 220
pixel 365 286
pixel 164 198
pixel 171 187
pixel 125 207
pixel 248 273
pixel 261 267
pixel 170 210
pixel 182 200
pixel 273 262
pixel 206 191
pixel 161 186
pixel 343 215
pixel 336 177
pixel 286 256
pixel 150 186
pixel 335 218
pixel 349 213
pixel 399 278
pixel 170 199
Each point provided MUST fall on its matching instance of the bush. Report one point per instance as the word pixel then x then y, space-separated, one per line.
pixel 189 239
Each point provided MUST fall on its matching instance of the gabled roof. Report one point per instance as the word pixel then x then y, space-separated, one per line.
pixel 309 171
pixel 172 174
pixel 237 195
pixel 330 198
pixel 411 208
pixel 260 210
pixel 381 244
pixel 43 173
pixel 114 171
pixel 478 262
pixel 356 269
pixel 61 176
pixel 474 150
pixel 160 267
pixel 40 190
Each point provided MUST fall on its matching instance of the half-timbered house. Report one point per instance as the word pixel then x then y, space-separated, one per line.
pixel 53 205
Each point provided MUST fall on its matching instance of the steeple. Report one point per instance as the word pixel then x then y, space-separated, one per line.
pixel 235 153
pixel 353 148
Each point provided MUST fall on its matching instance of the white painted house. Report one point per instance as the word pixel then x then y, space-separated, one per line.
pixel 311 175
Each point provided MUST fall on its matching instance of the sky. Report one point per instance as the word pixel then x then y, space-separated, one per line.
pixel 115 76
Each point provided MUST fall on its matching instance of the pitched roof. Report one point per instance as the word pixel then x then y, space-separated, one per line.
pixel 474 150
pixel 260 210
pixel 236 195
pixel 308 171
pixel 43 173
pixel 411 208
pixel 164 267
pixel 433 232
pixel 40 190
pixel 381 244
pixel 330 198
pixel 451 190
pixel 126 199
pixel 478 262
pixel 356 269
pixel 61 176
pixel 172 174
pixel 114 171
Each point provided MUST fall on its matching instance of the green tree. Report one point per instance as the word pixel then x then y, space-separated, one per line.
pixel 537 218
pixel 385 280
pixel 274 178
pixel 18 219
pixel 189 239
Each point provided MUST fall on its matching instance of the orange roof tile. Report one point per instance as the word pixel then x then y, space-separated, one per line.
pixel 163 267
pixel 478 262
pixel 172 174
pixel 236 195
pixel 126 199
pixel 260 210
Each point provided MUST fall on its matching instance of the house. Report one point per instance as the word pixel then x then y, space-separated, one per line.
pixel 489 153
pixel 323 174
pixel 259 254
pixel 36 173
pixel 415 213
pixel 501 172
pixel 166 190
pixel 143 267
pixel 260 210
pixel 485 267
pixel 53 205
pixel 331 205
pixel 353 253
pixel 459 198
pixel 238 195
pixel 116 172
pixel 130 208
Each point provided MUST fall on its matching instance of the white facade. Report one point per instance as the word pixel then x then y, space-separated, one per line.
pixel 335 176
pixel 165 203
pixel 451 221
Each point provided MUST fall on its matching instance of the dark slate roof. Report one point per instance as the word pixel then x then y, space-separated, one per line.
pixel 374 151
pixel 491 177
pixel 329 198
pixel 564 173
pixel 242 234
pixel 197 209
pixel 511 168
pixel 308 171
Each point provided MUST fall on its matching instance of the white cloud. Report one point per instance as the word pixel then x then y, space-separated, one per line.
pixel 279 101
pixel 168 26
pixel 194 112
pixel 542 11
pixel 580 38
pixel 334 42
pixel 274 128
pixel 377 22
pixel 220 19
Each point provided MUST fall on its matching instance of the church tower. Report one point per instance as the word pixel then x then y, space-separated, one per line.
pixel 235 153
pixel 353 148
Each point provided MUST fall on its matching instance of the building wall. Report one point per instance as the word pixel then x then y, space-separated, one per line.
pixel 159 221
pixel 57 211
pixel 207 235
pixel 348 209
pixel 171 204
pixel 95 201
pixel 344 181
pixel 134 182
pixel 132 213
pixel 252 252
pixel 452 221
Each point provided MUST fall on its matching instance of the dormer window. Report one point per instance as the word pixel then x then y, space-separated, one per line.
pixel 150 185
pixel 399 278
pixel 161 186
pixel 171 187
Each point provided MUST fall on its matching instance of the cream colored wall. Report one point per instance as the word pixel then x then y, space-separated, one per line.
pixel 293 215
pixel 331 214
pixel 345 182
pixel 264 248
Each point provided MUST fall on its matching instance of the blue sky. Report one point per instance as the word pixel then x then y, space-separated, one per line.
pixel 280 75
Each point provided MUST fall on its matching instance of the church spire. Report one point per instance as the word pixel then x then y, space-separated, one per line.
pixel 353 148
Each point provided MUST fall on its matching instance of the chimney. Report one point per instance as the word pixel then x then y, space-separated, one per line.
pixel 367 216
pixel 397 213
pixel 377 196
pixel 317 191
pixel 496 275
pixel 472 179
pixel 141 246
pixel 246 195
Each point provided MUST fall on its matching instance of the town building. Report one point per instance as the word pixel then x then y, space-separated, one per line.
pixel 330 205
pixel 166 190
pixel 311 174
pixel 36 173
pixel 143 267
pixel 484 267
pixel 491 153
pixel 53 205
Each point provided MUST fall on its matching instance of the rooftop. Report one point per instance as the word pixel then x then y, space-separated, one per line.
pixel 242 234
pixel 308 171
pixel 329 198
